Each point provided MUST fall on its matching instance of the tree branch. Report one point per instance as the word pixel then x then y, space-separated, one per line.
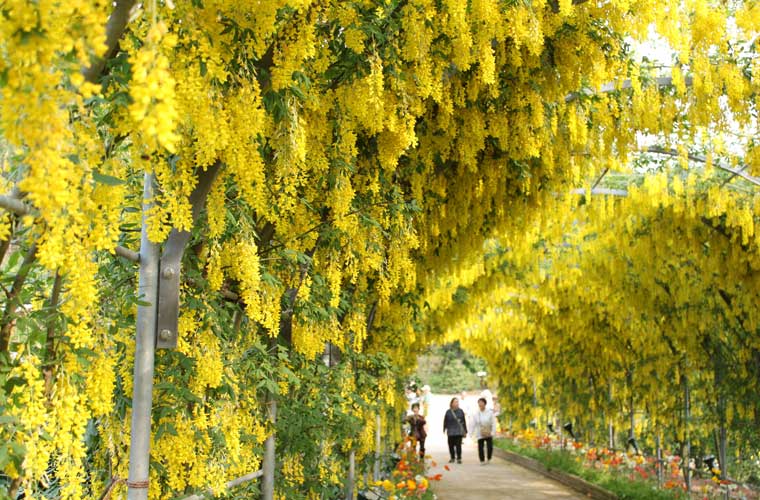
pixel 554 4
pixel 115 27
pixel 6 243
pixel 47 369
pixel 16 206
pixel 289 299
pixel 371 317
pixel 106 495
pixel 128 254
pixel 18 284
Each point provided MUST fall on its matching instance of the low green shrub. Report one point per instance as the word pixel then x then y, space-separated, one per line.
pixel 619 484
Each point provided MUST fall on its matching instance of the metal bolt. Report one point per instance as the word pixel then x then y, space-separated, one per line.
pixel 165 335
pixel 168 273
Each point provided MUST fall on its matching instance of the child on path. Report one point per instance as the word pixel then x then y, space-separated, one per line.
pixel 484 423
pixel 455 427
pixel 419 427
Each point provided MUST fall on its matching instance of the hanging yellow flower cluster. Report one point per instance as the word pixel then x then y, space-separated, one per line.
pixel 369 155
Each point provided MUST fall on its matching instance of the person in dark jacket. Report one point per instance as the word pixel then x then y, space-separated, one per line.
pixel 419 427
pixel 455 427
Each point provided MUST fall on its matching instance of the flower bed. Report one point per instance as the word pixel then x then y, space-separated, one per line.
pixel 628 475
pixel 408 479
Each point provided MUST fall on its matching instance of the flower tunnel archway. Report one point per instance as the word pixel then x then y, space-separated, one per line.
pixel 266 178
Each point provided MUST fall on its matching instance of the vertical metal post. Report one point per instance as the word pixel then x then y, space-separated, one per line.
pixel 686 454
pixel 609 413
pixel 723 448
pixel 267 482
pixel 612 435
pixel 378 423
pixel 145 350
pixel 631 409
pixel 721 434
pixel 659 461
pixel 351 475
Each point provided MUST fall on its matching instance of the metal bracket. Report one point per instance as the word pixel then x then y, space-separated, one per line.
pixel 167 323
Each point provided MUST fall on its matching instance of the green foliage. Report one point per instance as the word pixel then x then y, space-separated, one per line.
pixel 563 461
pixel 449 369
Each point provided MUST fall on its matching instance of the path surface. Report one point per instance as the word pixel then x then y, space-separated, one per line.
pixel 472 481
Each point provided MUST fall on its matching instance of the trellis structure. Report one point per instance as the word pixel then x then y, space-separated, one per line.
pixel 358 162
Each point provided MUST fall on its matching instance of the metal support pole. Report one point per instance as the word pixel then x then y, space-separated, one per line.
pixel 610 423
pixel 145 350
pixel 378 423
pixel 351 475
pixel 686 453
pixel 631 409
pixel 660 475
pixel 612 435
pixel 267 482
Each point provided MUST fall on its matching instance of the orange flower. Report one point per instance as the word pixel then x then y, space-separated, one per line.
pixel 446 467
pixel 434 464
pixel 411 485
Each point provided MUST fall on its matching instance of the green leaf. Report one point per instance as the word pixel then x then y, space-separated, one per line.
pixel 166 428
pixel 13 259
pixel 6 419
pixel 108 180
pixel 18 449
pixel 13 382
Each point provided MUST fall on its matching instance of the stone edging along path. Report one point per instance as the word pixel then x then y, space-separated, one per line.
pixel 574 482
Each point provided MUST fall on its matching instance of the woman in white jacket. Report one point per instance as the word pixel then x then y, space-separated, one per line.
pixel 484 425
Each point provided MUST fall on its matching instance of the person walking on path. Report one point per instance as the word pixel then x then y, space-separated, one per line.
pixel 484 424
pixel 427 397
pixel 469 408
pixel 488 396
pixel 419 427
pixel 411 398
pixel 455 427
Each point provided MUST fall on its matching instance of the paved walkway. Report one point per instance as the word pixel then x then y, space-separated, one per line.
pixel 472 481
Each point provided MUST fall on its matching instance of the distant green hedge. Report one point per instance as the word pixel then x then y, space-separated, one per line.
pixel 449 369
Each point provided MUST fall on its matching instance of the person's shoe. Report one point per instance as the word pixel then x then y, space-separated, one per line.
pixel 451 461
pixel 489 461
pixel 459 460
pixel 482 463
